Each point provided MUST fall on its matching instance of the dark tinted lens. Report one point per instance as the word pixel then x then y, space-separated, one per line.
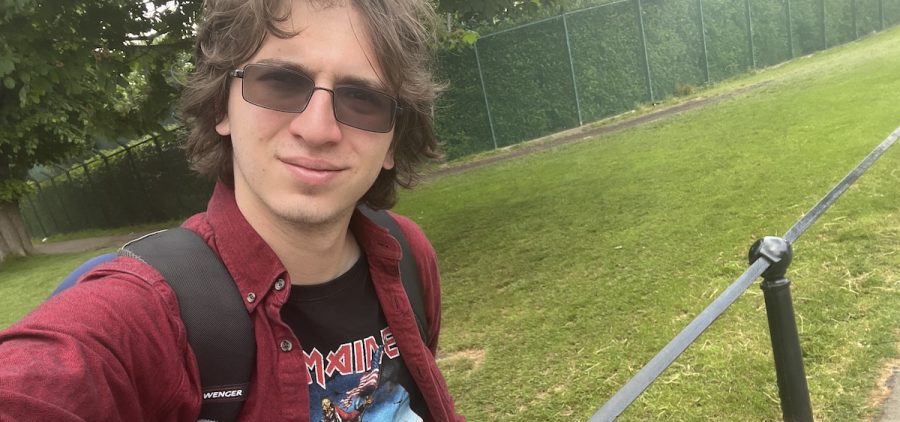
pixel 364 109
pixel 276 88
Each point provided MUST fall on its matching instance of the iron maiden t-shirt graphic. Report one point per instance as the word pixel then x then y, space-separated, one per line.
pixel 358 382
pixel 355 368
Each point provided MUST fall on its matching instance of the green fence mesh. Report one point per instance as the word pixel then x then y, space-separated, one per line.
pixel 839 22
pixel 770 34
pixel 620 58
pixel 609 60
pixel 528 81
pixel 807 24
pixel 868 16
pixel 891 12
pixel 727 38
pixel 461 120
pixel 674 45
pixel 139 184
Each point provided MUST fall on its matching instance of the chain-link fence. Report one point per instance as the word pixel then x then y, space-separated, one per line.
pixel 584 65
pixel 144 182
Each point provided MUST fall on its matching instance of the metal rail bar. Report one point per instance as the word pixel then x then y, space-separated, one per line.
pixel 648 374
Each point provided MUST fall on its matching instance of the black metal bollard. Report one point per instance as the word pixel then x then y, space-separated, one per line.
pixel 792 387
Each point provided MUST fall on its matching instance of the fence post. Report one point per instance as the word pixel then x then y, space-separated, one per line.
pixel 640 13
pixel 703 38
pixel 792 387
pixel 855 25
pixel 790 26
pixel 572 67
pixel 750 34
pixel 824 27
pixel 487 105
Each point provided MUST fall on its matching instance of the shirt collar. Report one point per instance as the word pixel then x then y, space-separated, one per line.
pixel 249 259
pixel 254 265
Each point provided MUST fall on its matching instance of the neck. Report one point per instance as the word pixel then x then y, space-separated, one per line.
pixel 311 253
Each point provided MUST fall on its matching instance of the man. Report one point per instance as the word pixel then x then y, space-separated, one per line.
pixel 302 110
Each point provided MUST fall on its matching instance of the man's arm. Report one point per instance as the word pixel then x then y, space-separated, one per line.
pixel 110 348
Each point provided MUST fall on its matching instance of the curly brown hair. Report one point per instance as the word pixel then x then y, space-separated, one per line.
pixel 232 31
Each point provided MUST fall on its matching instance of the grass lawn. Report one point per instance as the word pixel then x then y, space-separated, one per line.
pixel 566 271
pixel 26 282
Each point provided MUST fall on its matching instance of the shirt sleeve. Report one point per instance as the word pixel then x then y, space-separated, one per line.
pixel 110 348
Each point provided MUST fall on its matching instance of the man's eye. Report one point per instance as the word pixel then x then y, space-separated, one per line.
pixel 283 78
pixel 362 96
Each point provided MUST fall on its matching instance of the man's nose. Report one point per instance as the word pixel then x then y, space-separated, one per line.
pixel 317 124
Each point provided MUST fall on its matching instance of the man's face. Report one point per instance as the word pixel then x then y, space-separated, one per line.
pixel 307 168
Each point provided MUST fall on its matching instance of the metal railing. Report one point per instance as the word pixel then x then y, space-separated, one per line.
pixel 769 257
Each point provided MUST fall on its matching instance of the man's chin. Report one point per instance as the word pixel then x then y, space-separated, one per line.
pixel 315 216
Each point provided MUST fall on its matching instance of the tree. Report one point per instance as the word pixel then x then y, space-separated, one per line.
pixel 75 70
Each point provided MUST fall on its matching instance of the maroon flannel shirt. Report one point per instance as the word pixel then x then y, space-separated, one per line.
pixel 113 347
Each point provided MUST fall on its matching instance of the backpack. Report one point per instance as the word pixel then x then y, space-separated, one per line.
pixel 214 313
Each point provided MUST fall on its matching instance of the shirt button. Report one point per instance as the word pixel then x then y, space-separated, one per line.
pixel 286 346
pixel 251 297
pixel 279 284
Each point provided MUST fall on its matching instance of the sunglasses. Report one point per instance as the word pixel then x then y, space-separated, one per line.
pixel 285 90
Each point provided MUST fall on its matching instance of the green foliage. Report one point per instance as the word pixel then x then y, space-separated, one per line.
pixel 492 11
pixel 75 70
pixel 457 39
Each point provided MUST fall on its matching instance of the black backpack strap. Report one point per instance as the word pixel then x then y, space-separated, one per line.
pixel 218 326
pixel 409 269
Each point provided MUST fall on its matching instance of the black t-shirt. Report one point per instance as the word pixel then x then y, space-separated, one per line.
pixel 354 364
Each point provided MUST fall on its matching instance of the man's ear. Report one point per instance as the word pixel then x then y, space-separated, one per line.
pixel 223 127
pixel 388 160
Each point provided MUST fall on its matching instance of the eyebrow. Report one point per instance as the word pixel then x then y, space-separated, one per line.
pixel 344 80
